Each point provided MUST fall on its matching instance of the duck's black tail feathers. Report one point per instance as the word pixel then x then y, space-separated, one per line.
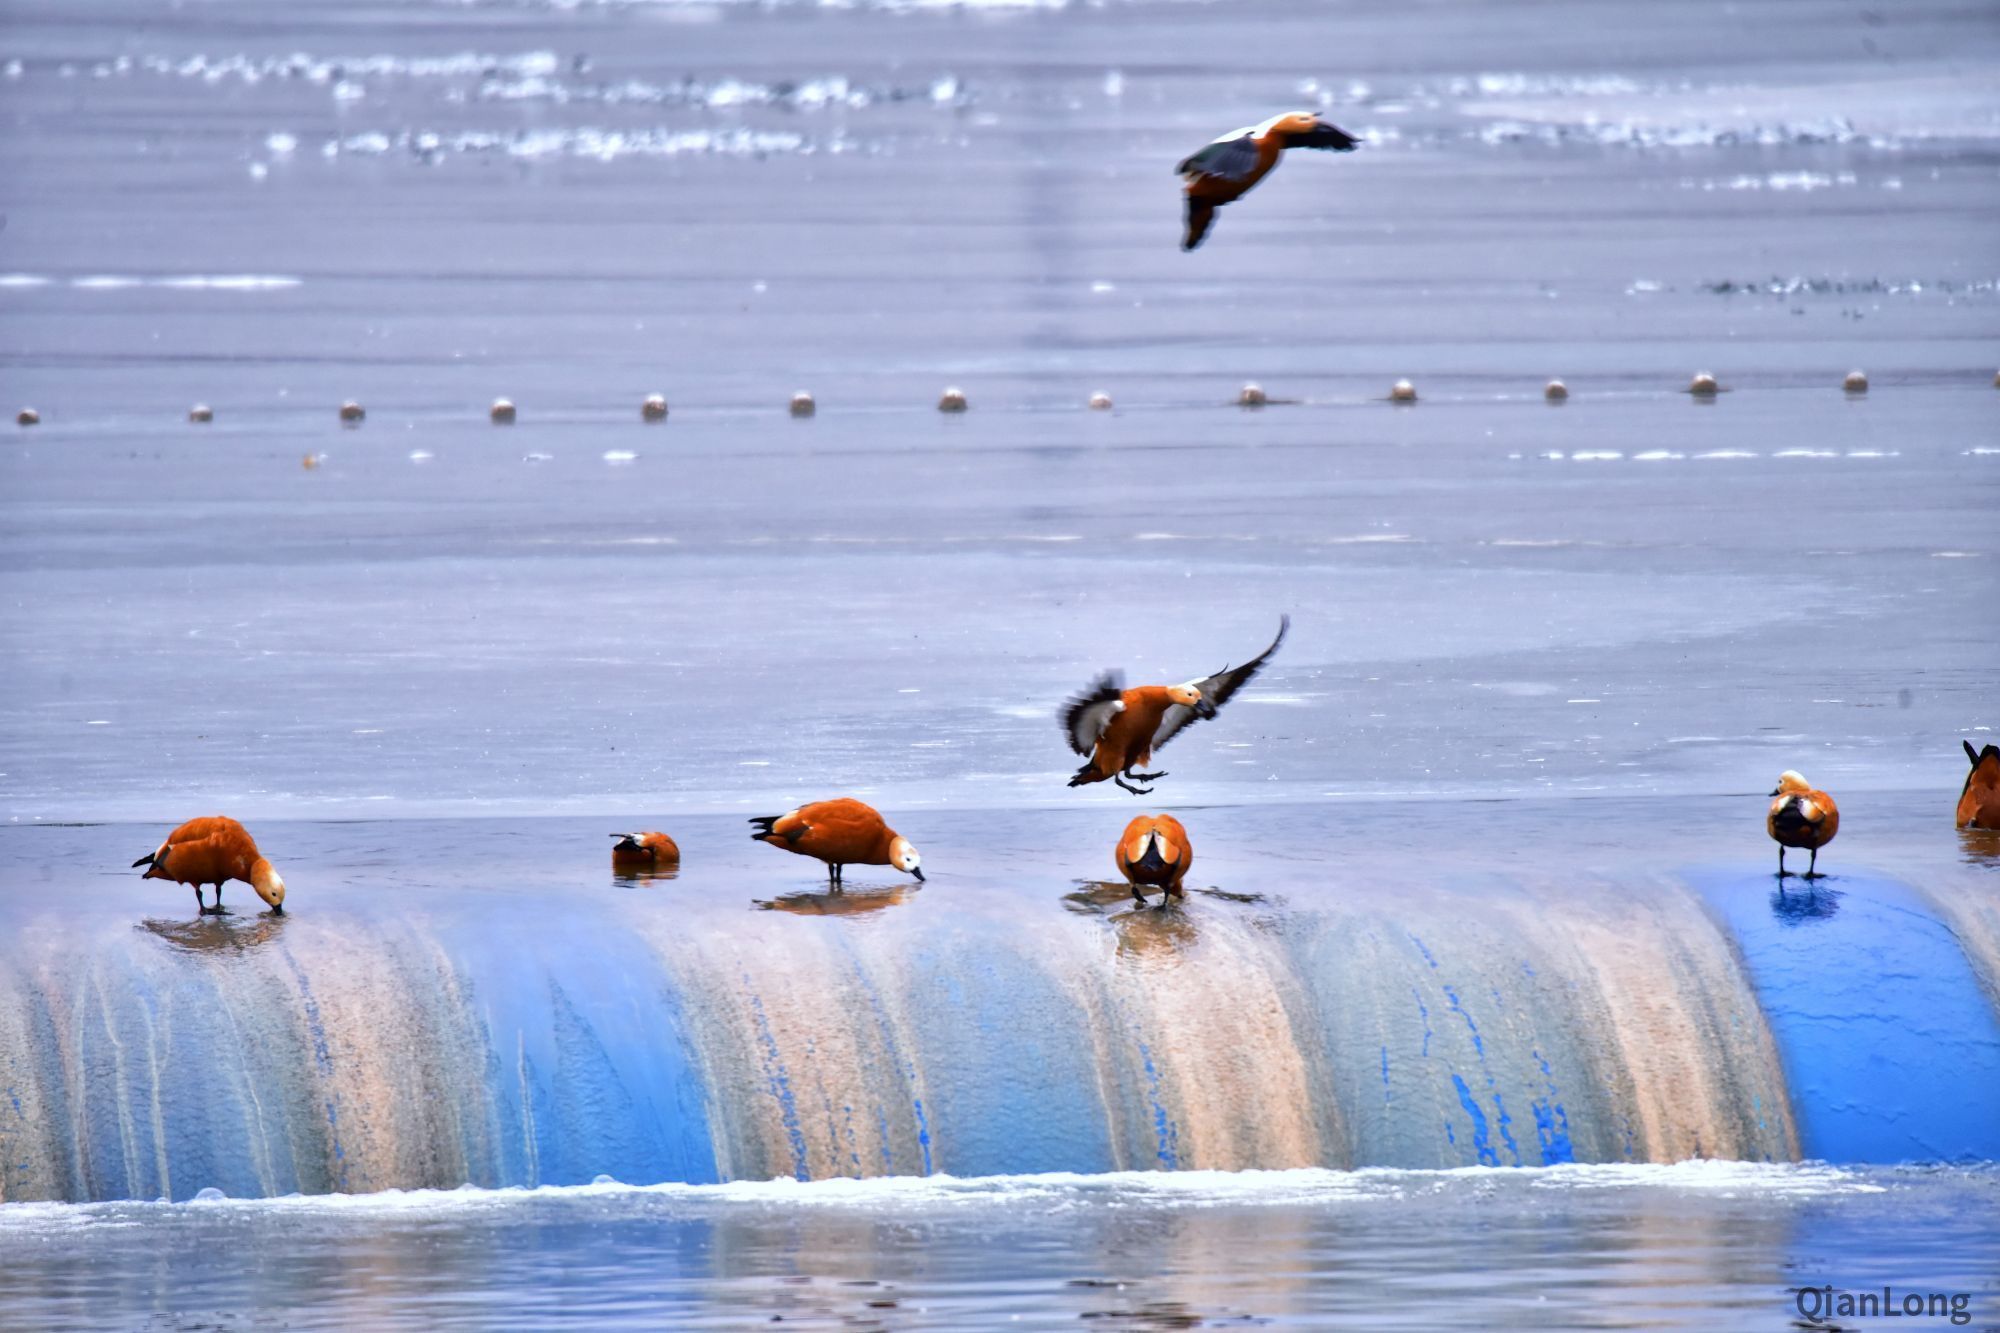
pixel 1199 215
pixel 145 860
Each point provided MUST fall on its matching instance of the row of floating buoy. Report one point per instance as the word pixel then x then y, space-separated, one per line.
pixel 654 407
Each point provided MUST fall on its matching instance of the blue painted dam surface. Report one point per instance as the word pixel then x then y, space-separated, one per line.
pixel 516 1024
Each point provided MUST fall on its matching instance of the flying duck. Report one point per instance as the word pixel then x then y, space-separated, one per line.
pixel 1226 170
pixel 1116 728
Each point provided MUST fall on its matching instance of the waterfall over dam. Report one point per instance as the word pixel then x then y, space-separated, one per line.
pixel 445 1003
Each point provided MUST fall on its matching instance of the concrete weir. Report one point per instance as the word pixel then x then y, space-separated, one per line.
pixel 1500 1019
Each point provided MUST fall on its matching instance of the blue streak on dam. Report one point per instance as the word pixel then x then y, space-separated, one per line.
pixel 1889 1042
pixel 662 1036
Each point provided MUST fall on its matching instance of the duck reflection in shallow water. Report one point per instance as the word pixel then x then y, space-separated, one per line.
pixel 1797 909
pixel 224 933
pixel 1980 845
pixel 645 876
pixel 838 904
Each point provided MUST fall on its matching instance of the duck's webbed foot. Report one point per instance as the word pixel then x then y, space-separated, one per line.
pixel 1119 778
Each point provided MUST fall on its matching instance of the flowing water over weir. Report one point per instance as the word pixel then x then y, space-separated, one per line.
pixel 658 1032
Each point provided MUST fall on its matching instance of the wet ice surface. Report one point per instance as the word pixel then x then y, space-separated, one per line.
pixel 1647 1246
pixel 1634 591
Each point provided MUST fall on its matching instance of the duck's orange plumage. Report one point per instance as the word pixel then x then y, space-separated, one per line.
pixel 1118 729
pixel 1800 816
pixel 1979 802
pixel 1225 171
pixel 842 832
pixel 639 852
pixel 1154 852
pixel 214 850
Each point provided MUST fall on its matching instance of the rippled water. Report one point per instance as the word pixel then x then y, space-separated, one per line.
pixel 1704 1244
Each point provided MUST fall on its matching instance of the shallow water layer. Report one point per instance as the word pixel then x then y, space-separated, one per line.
pixel 1601 1247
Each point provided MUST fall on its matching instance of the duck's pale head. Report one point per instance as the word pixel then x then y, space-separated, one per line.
pixel 1790 782
pixel 269 884
pixel 904 857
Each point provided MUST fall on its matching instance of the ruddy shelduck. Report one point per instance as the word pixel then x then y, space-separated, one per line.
pixel 841 832
pixel 1226 170
pixel 214 850
pixel 1154 852
pixel 1117 728
pixel 1801 816
pixel 636 853
pixel 1979 802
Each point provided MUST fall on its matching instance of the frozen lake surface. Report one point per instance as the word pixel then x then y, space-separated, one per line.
pixel 1493 810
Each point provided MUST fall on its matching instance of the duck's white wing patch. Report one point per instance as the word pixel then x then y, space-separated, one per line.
pixel 1086 715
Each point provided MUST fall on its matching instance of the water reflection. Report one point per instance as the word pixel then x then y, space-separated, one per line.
pixel 647 876
pixel 1980 846
pixel 217 934
pixel 851 903
pixel 1815 902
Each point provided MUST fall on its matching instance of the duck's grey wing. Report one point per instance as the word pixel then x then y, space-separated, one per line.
pixel 1330 137
pixel 1229 158
pixel 1217 688
pixel 1086 715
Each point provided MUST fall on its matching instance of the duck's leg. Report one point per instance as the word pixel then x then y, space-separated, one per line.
pixel 1138 895
pixel 1119 778
pixel 1144 777
pixel 200 907
pixel 1812 866
pixel 218 897
pixel 1782 872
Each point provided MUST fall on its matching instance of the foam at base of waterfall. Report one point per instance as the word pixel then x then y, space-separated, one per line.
pixel 1312 1186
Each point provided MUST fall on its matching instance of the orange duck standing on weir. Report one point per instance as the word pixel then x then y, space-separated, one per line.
pixel 842 832
pixel 636 853
pixel 1979 802
pixel 1117 728
pixel 1800 816
pixel 1226 170
pixel 1154 852
pixel 213 850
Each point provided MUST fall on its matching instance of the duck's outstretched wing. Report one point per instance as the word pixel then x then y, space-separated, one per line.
pixel 1217 688
pixel 1330 137
pixel 1232 157
pixel 1086 715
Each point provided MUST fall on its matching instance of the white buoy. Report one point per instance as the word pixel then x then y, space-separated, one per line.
pixel 201 412
pixel 803 404
pixel 28 416
pixel 1556 392
pixel 1252 395
pixel 654 408
pixel 1703 385
pixel 352 412
pixel 1100 402
pixel 953 400
pixel 1856 382
pixel 502 412
pixel 1402 391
